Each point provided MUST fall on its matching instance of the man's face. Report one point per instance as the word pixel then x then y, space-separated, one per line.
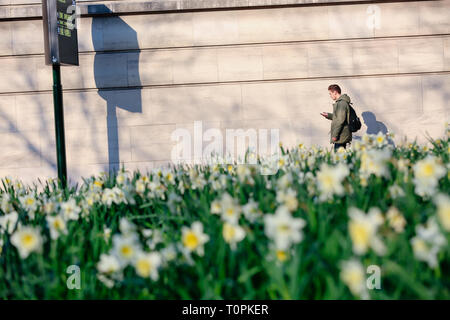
pixel 333 95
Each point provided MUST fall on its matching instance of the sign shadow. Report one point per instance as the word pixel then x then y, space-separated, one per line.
pixel 112 71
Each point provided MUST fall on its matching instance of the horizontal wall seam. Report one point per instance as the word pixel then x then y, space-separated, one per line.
pixel 34 11
pixel 247 44
pixel 196 84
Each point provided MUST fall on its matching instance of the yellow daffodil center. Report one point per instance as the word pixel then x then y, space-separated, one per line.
pixel 230 211
pixel 354 278
pixel 281 255
pixel 359 234
pixel 98 183
pixel 327 181
pixel 428 170
pixel 143 267
pixel 57 224
pixel 126 251
pixel 228 232
pixel 28 240
pixel 420 246
pixel 190 240
pixel 283 228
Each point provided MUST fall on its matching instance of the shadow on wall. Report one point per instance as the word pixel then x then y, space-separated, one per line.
pixel 105 68
pixel 373 126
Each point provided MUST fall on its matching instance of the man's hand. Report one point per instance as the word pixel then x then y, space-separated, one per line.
pixel 334 139
pixel 324 114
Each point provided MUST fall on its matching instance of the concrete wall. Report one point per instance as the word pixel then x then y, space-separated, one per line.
pixel 148 68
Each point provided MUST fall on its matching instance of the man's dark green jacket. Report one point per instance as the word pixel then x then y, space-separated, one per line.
pixel 339 120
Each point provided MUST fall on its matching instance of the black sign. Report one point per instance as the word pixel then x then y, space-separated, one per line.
pixel 60 32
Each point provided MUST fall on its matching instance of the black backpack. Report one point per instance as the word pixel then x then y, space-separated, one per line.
pixel 354 124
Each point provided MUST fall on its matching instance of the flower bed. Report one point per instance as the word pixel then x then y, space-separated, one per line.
pixel 369 222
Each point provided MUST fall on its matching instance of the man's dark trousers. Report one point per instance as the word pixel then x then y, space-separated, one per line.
pixel 338 145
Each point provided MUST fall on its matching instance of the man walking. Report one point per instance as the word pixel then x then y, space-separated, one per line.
pixel 340 131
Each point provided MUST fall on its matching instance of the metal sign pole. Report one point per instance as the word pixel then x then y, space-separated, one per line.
pixel 61 48
pixel 59 126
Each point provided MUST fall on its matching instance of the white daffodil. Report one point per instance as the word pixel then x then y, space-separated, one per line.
pixel 232 234
pixel 29 204
pixel 147 264
pixel 27 240
pixel 356 145
pixel 5 204
pixel 155 238
pixel 169 176
pixel 121 178
pixel 281 255
pixel 340 155
pixel 223 179
pixel 215 182
pixel 443 210
pixel 427 173
pixel 8 221
pixel 251 211
pixel 395 191
pixel 197 179
pixel 363 230
pixel 108 264
pixel 288 198
pixel 283 228
pixel 96 185
pixel 126 227
pixel 193 238
pixel 329 180
pixel 70 210
pixel 403 165
pixel 120 195
pixel 353 275
pixel 109 196
pixel 380 139
pixel 146 233
pixel 270 164
pixel 243 172
pixel 428 242
pixel 109 283
pixel 285 181
pixel 126 248
pixel 283 161
pixel 19 187
pixel 57 226
pixel 169 253
pixel 231 210
pixel 8 180
pixel 374 161
pixel 396 220
pixel 107 234
pixel 367 139
pixel 93 197
pixel 157 189
pixel 49 207
pixel 216 207
pixel 181 187
pixel 140 186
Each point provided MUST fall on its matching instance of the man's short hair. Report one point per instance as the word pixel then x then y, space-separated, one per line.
pixel 334 87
